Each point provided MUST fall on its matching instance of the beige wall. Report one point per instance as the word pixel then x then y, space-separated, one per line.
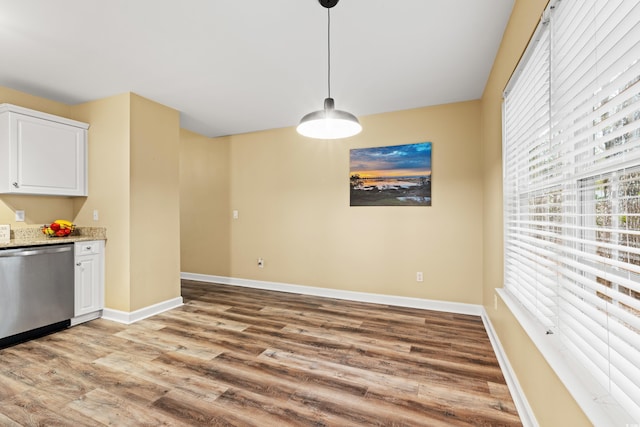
pixel 109 190
pixel 549 399
pixel 154 203
pixel 205 212
pixel 292 195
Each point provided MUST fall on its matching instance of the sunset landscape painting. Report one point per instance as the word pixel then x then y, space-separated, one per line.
pixel 396 175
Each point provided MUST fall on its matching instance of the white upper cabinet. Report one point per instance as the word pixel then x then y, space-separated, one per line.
pixel 41 153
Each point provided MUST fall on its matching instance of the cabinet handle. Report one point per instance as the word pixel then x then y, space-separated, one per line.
pixel 15 184
pixel 78 264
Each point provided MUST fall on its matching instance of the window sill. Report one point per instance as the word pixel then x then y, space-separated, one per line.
pixel 592 398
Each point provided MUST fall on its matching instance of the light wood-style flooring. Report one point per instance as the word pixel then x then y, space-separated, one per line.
pixel 244 357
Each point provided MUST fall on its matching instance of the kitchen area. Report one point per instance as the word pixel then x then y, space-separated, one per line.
pixel 48 280
pixel 49 283
pixel 120 173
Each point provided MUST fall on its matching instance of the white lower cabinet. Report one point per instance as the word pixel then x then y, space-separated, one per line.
pixel 89 281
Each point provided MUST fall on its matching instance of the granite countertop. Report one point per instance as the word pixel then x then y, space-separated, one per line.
pixel 33 236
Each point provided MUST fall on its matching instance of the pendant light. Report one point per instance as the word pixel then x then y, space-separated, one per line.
pixel 329 123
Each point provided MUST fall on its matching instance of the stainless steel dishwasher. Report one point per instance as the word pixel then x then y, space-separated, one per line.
pixel 36 291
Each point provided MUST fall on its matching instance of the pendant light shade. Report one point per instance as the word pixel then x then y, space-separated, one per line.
pixel 329 123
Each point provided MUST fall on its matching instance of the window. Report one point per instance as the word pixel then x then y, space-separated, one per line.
pixel 571 129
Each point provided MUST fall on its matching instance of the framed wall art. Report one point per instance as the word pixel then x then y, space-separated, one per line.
pixel 395 175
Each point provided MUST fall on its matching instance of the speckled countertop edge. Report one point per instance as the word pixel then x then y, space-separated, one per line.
pixel 32 236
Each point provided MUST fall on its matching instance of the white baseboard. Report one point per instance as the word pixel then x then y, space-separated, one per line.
pixel 449 307
pixel 519 399
pixel 134 316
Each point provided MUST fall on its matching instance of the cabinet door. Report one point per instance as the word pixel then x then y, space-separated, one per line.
pixel 88 297
pixel 50 157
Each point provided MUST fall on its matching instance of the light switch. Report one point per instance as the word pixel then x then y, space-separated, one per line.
pixel 235 214
pixel 95 215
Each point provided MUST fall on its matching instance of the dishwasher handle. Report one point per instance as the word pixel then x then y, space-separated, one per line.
pixel 36 251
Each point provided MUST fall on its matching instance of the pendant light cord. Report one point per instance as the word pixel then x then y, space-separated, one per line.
pixel 329 51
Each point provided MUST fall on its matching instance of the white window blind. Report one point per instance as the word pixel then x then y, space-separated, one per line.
pixel 571 118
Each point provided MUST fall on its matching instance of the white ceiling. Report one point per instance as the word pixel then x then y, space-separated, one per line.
pixel 239 66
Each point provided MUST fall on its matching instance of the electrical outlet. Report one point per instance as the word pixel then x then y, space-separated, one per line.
pixel 19 216
pixel 5 233
pixel 419 277
pixel 260 263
